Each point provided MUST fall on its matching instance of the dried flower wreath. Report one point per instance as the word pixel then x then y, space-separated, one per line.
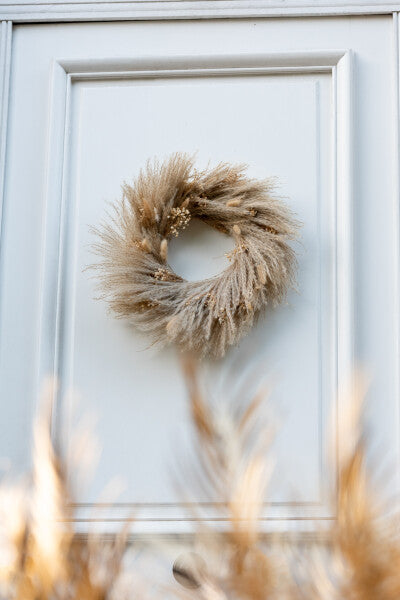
pixel 202 316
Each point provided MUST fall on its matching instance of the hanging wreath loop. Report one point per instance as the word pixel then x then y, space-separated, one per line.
pixel 202 316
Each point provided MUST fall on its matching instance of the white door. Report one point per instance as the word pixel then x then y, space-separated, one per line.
pixel 311 101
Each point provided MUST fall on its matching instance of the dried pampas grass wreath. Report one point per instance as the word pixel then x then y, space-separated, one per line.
pixel 206 316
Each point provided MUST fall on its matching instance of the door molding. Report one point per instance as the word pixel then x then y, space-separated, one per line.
pixel 57 296
pixel 5 73
pixel 22 11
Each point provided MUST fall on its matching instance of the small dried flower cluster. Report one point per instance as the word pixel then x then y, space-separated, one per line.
pixel 145 305
pixel 222 315
pixel 211 299
pixel 178 218
pixel 246 306
pixel 164 275
pixel 238 249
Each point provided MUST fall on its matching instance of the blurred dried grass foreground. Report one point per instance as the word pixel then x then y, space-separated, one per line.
pixel 41 558
pixel 40 555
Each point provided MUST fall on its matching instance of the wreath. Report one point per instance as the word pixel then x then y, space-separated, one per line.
pixel 203 316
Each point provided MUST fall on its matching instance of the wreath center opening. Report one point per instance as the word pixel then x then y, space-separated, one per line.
pixel 199 251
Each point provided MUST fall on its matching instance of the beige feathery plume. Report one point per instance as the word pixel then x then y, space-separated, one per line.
pixel 234 468
pixel 41 558
pixel 361 558
pixel 145 245
pixel 164 250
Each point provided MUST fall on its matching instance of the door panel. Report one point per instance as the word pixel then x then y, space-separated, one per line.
pixel 306 100
pixel 198 115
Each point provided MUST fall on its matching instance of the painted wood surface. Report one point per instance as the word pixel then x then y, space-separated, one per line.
pixel 314 102
pixel 22 11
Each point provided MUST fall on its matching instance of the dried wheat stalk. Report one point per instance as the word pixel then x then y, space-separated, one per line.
pixel 202 316
pixel 363 557
pixel 232 471
pixel 41 558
